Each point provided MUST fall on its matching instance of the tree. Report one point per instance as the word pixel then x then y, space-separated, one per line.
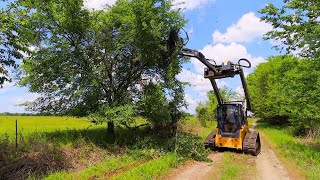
pixel 11 45
pixel 296 26
pixel 87 60
pixel 286 88
pixel 154 105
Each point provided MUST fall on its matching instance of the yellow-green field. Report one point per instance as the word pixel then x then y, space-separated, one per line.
pixel 31 124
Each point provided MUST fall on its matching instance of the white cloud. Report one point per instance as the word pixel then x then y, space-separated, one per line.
pixel 10 103
pixel 190 4
pixel 98 4
pixel 198 83
pixel 192 104
pixel 29 97
pixel 246 29
pixel 222 53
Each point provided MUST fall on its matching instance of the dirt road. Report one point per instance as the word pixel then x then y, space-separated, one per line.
pixel 267 166
pixel 196 170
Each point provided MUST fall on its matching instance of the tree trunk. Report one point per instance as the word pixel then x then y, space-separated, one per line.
pixel 110 129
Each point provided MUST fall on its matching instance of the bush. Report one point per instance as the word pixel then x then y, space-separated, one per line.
pixel 191 146
pixel 286 88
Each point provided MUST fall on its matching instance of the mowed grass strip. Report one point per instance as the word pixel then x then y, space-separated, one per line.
pixel 238 166
pixel 305 157
pixel 124 167
pixel 104 170
pixel 31 124
pixel 151 170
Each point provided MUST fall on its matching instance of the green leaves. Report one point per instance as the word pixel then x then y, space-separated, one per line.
pixel 118 114
pixel 295 26
pixel 11 45
pixel 154 105
pixel 87 60
pixel 286 88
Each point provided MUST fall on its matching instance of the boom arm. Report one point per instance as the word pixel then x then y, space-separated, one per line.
pixel 213 72
pixel 245 89
pixel 196 54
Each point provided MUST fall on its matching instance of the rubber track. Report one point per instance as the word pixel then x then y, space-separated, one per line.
pixel 209 142
pixel 249 143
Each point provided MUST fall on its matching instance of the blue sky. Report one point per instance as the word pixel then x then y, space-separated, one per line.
pixel 221 29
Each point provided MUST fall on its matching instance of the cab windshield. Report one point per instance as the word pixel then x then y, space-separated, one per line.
pixel 229 114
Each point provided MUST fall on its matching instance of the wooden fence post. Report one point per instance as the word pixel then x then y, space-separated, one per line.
pixel 16 133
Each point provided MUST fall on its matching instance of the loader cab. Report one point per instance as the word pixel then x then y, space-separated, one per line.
pixel 231 118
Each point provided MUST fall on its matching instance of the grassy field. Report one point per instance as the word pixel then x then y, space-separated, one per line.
pixel 74 148
pixel 300 153
pixel 31 124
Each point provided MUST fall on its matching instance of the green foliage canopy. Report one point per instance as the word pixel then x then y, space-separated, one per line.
pixel 296 25
pixel 84 59
pixel 286 88
pixel 11 45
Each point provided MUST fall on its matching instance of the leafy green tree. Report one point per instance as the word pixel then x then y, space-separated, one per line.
pixel 85 61
pixel 154 105
pixel 11 45
pixel 123 114
pixel 296 26
pixel 286 88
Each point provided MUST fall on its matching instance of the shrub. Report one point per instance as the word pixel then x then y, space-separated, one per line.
pixel 191 146
pixel 286 88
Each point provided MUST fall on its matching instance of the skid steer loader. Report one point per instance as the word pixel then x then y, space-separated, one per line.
pixel 232 129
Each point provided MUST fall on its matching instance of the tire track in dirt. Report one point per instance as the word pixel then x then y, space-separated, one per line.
pixel 268 165
pixel 195 170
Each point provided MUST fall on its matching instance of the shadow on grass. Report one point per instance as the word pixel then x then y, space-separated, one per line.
pixel 41 153
pixel 123 137
pixel 261 123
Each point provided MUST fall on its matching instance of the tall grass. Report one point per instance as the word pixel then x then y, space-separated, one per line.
pixel 192 124
pixel 301 154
